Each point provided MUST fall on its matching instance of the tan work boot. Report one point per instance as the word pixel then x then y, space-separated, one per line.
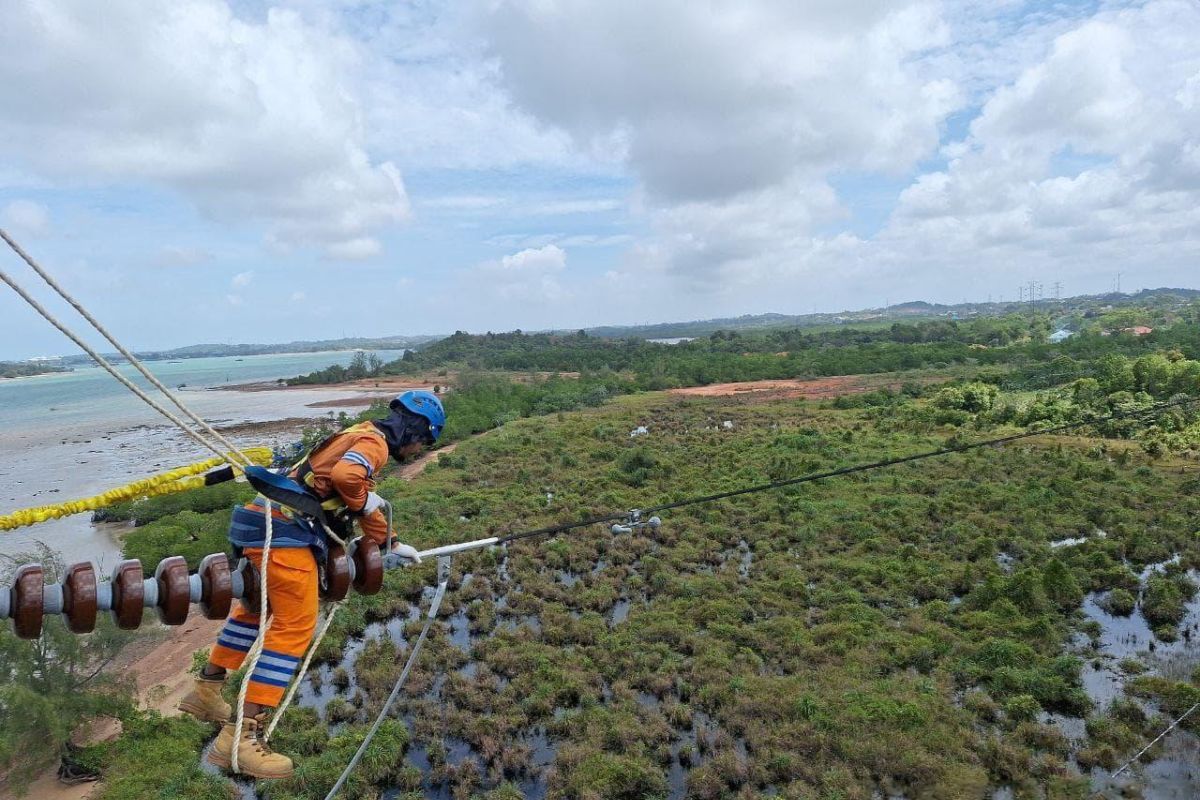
pixel 204 701
pixel 255 757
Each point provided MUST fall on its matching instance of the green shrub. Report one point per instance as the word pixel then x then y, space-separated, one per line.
pixel 1120 603
pixel 1164 601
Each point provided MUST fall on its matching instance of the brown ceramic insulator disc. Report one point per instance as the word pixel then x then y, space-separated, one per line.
pixel 335 578
pixel 368 566
pixel 79 597
pixel 128 594
pixel 27 598
pixel 216 586
pixel 174 591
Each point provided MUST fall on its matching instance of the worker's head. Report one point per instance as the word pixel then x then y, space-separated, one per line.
pixel 416 422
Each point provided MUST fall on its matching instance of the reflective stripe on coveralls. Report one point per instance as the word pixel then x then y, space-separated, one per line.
pixel 292 597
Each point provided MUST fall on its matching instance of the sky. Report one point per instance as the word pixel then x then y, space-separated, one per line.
pixel 243 171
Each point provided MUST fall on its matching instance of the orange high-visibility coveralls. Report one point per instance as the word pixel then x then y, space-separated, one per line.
pixel 343 468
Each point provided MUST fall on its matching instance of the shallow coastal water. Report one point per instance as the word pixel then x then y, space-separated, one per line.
pixel 71 435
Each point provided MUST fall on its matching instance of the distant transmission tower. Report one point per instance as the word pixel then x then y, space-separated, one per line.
pixel 1031 291
pixel 1058 290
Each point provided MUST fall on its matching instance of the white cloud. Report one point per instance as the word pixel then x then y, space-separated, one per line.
pixel 518 206
pixel 529 277
pixel 298 297
pixel 595 240
pixel 247 119
pixel 732 118
pixel 708 103
pixel 1081 95
pixel 550 258
pixel 468 202
pixel 242 279
pixel 564 240
pixel 177 256
pixel 358 249
pixel 1086 160
pixel 565 207
pixel 1082 155
pixel 26 217
pixel 713 159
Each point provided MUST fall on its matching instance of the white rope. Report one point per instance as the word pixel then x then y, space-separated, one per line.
pixel 329 532
pixel 308 657
pixel 133 360
pixel 1158 738
pixel 436 603
pixel 264 624
pixel 110 369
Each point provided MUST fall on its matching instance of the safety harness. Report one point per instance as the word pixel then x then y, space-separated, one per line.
pixel 303 516
pixel 303 472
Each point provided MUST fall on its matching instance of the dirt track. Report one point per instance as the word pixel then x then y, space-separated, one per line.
pixel 814 389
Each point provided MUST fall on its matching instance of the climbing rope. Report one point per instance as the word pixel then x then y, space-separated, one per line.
pixel 435 604
pixel 264 625
pixel 233 456
pixel 110 369
pixel 308 657
pixel 130 357
pixel 176 480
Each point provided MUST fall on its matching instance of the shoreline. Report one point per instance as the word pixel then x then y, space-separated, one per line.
pixel 385 384
pixel 82 460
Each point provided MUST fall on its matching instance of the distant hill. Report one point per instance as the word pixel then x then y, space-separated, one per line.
pixel 903 311
pixel 1145 294
pixel 215 350
pixel 672 330
pixel 910 311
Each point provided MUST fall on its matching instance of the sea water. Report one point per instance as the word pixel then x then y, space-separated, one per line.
pixel 69 435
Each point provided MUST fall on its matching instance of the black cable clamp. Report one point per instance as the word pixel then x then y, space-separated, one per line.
pixel 634 520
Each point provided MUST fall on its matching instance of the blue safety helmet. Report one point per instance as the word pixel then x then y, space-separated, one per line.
pixel 423 404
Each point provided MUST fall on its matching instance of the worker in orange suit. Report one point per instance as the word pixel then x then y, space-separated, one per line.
pixel 341 472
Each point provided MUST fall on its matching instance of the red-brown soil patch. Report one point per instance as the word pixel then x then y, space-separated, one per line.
pixel 814 389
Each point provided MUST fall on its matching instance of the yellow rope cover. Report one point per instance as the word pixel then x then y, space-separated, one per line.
pixel 176 480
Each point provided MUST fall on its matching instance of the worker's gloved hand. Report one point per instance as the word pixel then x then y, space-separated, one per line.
pixel 373 503
pixel 407 551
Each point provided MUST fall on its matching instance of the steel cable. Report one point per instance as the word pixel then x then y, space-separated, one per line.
pixel 891 462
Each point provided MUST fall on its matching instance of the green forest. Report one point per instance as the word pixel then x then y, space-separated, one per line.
pixel 1016 347
pixel 23 369
pixel 931 630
